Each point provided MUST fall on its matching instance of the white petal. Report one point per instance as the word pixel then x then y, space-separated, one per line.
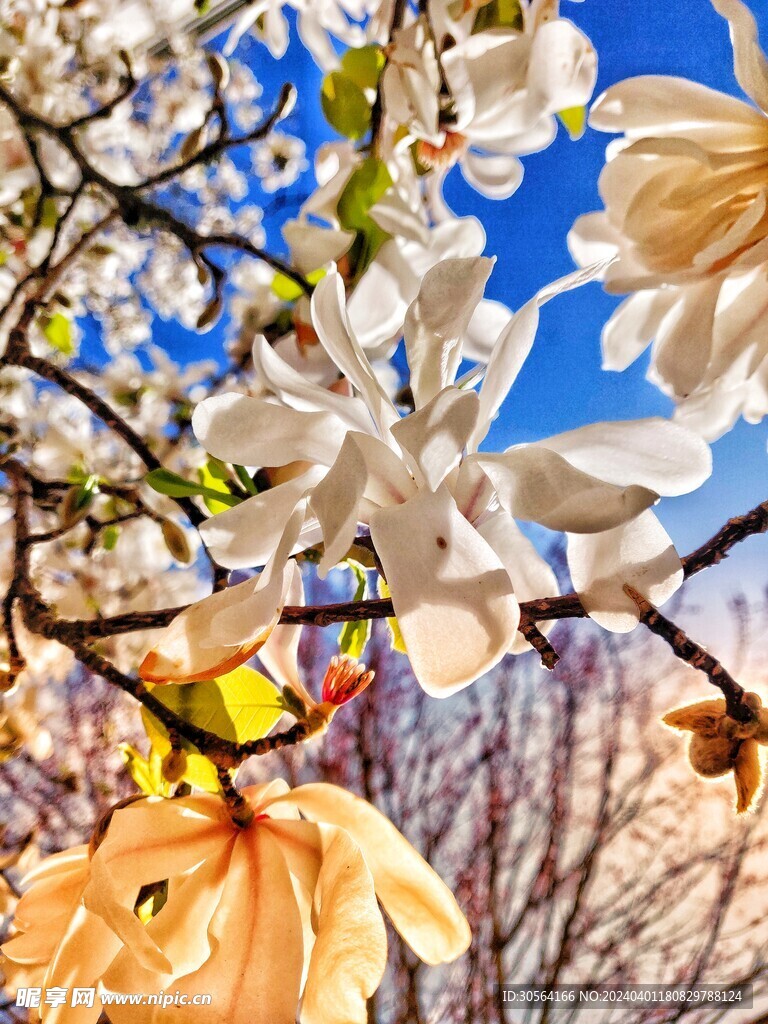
pixel 331 322
pixel 280 654
pixel 633 327
pixel 294 389
pixel 452 597
pixel 653 453
pixel 513 345
pixel 684 339
pixel 312 246
pixel 540 486
pixel 531 576
pixel 640 553
pixel 435 435
pixel 488 321
pixel 245 536
pixel 253 432
pixel 436 321
pixel 563 67
pixel 496 175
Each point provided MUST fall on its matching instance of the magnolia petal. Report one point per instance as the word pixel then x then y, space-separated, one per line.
pixel 254 971
pixel 496 175
pixel 750 65
pixel 350 952
pixel 254 432
pixel 336 503
pixel 488 321
pixel 366 467
pixel 659 105
pixel 86 951
pixel 300 842
pixel 640 553
pixel 684 341
pixel 419 904
pixel 436 321
pixel 563 67
pixel 532 577
pixel 147 842
pixel 633 326
pixel 436 434
pixel 747 773
pixel 180 657
pixel 653 453
pixel 453 599
pixel 245 536
pixel 280 654
pixel 330 320
pixel 296 390
pixel 313 245
pixel 540 486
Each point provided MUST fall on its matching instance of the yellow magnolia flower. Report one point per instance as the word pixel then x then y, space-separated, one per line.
pixel 261 918
pixel 720 744
pixel 59 942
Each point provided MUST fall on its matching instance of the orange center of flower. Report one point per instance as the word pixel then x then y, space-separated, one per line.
pixel 344 679
pixel 441 158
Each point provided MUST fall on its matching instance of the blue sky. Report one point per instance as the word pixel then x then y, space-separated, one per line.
pixel 562 385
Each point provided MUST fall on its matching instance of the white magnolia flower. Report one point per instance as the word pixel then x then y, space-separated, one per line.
pixel 685 196
pixel 441 513
pixel 503 89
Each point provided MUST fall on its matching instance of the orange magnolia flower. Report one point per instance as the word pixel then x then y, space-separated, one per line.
pixel 720 744
pixel 263 918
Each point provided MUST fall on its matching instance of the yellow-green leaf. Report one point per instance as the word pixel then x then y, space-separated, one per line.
pixel 345 105
pixel 58 332
pixel 354 636
pixel 140 770
pixel 363 65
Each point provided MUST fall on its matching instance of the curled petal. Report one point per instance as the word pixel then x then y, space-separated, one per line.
pixel 420 905
pixel 702 717
pixel 435 435
pixel 350 952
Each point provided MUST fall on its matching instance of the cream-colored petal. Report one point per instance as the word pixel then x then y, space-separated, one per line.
pixel 254 432
pixel 453 599
pixel 350 952
pixel 436 321
pixel 640 553
pixel 540 486
pixel 436 434
pixel 418 902
pixel 149 842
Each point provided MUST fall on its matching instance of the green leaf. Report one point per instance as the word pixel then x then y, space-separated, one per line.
pixel 366 186
pixel 345 105
pixel 165 482
pixel 575 121
pixel 354 636
pixel 395 636
pixel 140 771
pixel 363 65
pixel 58 332
pixel 109 537
pixel 242 705
pixel 216 493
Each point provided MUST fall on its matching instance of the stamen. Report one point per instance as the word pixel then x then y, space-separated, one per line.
pixel 344 679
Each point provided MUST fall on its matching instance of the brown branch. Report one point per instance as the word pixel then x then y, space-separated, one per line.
pixel 691 653
pixel 542 646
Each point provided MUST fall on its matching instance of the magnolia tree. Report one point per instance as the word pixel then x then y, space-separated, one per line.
pixel 161 521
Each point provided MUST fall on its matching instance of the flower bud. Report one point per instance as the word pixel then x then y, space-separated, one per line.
pixel 712 757
pixel 174 765
pixel 176 541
